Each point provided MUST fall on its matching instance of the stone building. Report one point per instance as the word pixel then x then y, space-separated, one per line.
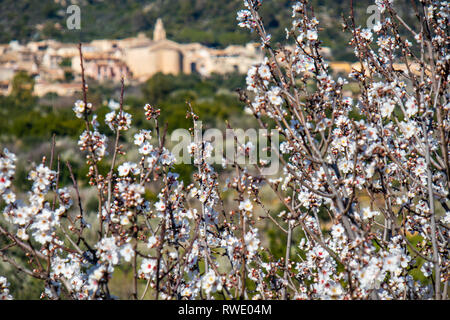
pixel 168 57
pixel 102 67
pixel 340 67
pixel 42 88
pixel 159 55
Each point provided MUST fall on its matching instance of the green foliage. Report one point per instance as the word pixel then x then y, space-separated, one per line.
pixel 277 242
pixel 68 76
pixel 185 171
pixel 40 123
pixel 170 93
pixel 22 89
pixel 66 62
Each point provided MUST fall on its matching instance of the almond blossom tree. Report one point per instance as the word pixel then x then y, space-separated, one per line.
pixel 395 151
pixel 390 146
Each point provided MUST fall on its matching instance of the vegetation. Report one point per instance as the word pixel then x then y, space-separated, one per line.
pixel 28 122
pixel 23 116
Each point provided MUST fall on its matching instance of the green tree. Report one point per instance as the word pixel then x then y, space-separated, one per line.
pixel 158 88
pixel 22 89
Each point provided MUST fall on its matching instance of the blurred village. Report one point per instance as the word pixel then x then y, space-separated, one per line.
pixel 55 66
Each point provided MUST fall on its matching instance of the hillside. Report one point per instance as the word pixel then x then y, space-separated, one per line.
pixel 209 22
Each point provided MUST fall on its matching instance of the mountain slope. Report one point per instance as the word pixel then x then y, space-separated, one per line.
pixel 207 21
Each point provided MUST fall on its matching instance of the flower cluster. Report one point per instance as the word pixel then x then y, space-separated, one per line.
pixel 4 291
pixel 121 120
pixel 81 108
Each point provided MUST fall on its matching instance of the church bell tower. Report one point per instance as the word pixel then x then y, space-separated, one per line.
pixel 159 33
